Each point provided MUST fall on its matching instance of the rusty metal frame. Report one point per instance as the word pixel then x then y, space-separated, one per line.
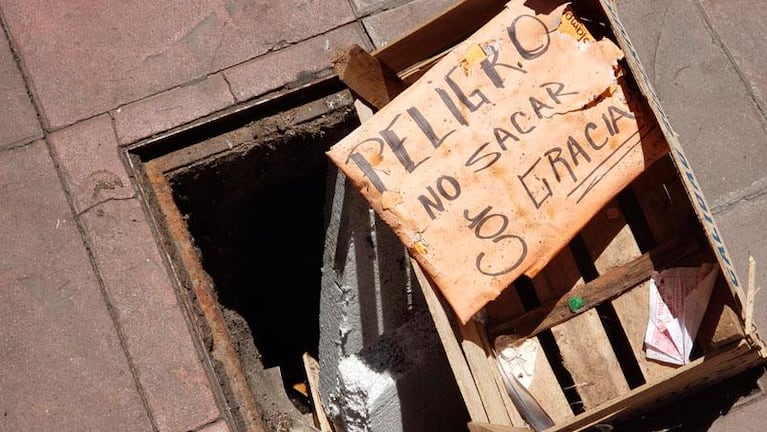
pixel 149 162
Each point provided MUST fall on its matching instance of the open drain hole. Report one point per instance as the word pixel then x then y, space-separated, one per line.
pixel 256 213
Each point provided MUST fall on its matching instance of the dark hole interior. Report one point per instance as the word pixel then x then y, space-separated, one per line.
pixel 256 213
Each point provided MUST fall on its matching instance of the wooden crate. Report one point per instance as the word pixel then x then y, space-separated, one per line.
pixel 595 368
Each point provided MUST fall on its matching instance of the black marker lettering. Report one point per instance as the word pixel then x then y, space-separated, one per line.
pixel 396 144
pixel 555 94
pixel 592 126
pixel 364 165
pixel 426 128
pixel 576 150
pixel 516 125
pixel 490 63
pixel 543 199
pixel 555 156
pixel 537 105
pixel 462 96
pixel 528 53
pixel 620 114
pixel 451 106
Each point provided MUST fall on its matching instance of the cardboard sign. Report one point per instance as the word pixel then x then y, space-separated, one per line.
pixel 493 161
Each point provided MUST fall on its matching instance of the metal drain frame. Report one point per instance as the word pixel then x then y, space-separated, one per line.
pixel 148 161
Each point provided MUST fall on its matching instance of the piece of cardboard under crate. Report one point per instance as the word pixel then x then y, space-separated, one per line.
pixel 595 369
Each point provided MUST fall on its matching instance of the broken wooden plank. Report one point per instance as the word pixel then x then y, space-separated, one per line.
pixel 313 377
pixel 583 344
pixel 487 427
pixel 482 368
pixel 366 77
pixel 611 243
pixel 461 371
pixel 611 284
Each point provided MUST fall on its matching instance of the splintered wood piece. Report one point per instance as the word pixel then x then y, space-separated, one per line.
pixel 487 427
pixel 611 284
pixel 751 293
pixel 313 376
pixel 667 211
pixel 544 387
pixel 611 243
pixel 483 368
pixel 463 376
pixel 583 344
pixel 365 76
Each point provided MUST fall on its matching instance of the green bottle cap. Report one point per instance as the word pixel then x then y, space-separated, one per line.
pixel 576 303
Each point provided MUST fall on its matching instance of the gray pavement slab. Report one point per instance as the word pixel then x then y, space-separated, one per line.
pixel 740 26
pixel 63 368
pixel 18 120
pixel 389 25
pixel 709 105
pixel 85 60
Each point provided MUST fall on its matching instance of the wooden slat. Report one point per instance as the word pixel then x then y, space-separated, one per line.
pixel 437 35
pixel 483 369
pixel 582 341
pixel 697 374
pixel 611 284
pixel 544 387
pixel 313 377
pixel 366 77
pixel 666 209
pixel 463 376
pixel 611 243
pixel 486 427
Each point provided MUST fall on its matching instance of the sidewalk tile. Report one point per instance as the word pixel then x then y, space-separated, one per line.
pixel 18 120
pixel 63 368
pixel 296 63
pixel 218 426
pixel 364 7
pixel 85 60
pixel 747 418
pixel 172 108
pixel 708 105
pixel 387 26
pixel 743 230
pixel 157 335
pixel 740 24
pixel 88 152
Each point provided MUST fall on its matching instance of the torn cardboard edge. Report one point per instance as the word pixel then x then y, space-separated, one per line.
pixel 417 216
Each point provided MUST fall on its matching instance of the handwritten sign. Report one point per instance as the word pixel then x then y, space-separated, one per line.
pixel 493 161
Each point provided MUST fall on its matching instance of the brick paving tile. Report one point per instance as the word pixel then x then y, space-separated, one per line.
pixel 85 60
pixel 218 426
pixel 18 120
pixel 63 368
pixel 387 26
pixel 157 336
pixel 740 24
pixel 172 108
pixel 295 63
pixel 707 103
pixel 88 152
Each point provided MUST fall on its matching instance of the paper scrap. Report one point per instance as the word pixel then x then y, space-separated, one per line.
pixel 678 300
pixel 491 163
pixel 517 359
